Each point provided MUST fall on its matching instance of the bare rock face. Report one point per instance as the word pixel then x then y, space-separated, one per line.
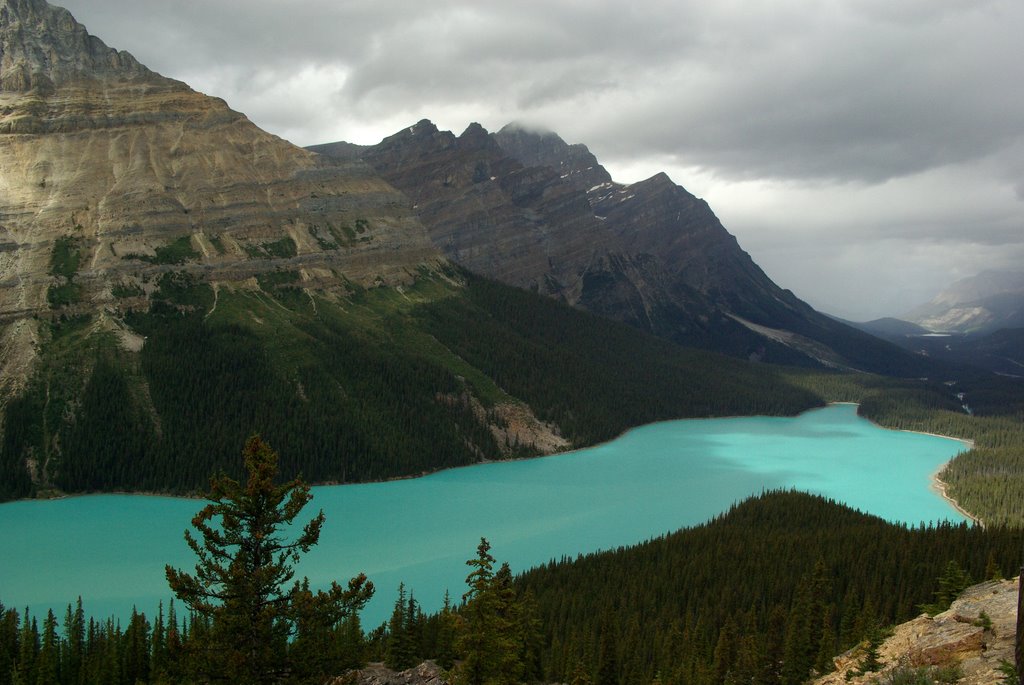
pixel 427 673
pixel 487 211
pixel 536 226
pixel 114 175
pixel 984 303
pixel 526 208
pixel 960 637
pixel 574 163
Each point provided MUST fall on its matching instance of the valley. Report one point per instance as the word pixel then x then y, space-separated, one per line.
pixel 411 324
pixel 646 483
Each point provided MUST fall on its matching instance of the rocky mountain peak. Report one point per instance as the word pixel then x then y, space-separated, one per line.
pixel 421 138
pixel 114 177
pixel 574 163
pixel 42 47
pixel 476 137
pixel 980 304
pixel 532 211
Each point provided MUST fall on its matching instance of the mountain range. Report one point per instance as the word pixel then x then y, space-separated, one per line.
pixel 174 279
pixel 532 211
pixel 977 321
pixel 987 302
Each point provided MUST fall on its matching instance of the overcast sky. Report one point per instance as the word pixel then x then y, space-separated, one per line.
pixel 866 153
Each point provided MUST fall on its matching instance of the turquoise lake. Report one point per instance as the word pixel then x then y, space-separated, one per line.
pixel 111 549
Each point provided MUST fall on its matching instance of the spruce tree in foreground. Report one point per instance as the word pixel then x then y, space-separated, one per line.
pixel 241 582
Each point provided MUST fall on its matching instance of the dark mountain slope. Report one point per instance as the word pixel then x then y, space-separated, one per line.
pixel 889 328
pixel 530 210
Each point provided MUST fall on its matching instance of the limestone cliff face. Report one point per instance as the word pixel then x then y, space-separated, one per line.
pixel 133 175
pixel 574 163
pixel 655 218
pixel 957 637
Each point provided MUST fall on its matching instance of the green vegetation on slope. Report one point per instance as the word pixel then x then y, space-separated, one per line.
pixel 766 593
pixel 64 263
pixel 386 382
pixel 987 480
pixel 595 377
pixel 763 594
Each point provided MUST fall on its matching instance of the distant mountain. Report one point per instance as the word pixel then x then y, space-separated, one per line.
pixel 979 304
pixel 1001 352
pixel 889 328
pixel 532 211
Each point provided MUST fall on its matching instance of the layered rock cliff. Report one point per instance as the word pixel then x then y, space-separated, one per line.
pixel 528 209
pixel 113 175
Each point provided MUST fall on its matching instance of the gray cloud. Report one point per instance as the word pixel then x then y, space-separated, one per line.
pixel 811 127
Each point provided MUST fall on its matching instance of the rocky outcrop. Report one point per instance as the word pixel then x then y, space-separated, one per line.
pixel 976 634
pixel 427 673
pixel 575 164
pixel 114 175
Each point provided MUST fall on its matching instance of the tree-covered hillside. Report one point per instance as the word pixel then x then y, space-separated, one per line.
pixel 385 382
pixel 765 593
pixel 988 410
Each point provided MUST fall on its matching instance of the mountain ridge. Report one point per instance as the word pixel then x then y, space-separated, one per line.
pixel 116 176
pixel 982 303
pixel 537 213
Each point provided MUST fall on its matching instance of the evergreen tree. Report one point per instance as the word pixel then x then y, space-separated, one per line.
pixel 485 638
pixel 28 650
pixel 992 569
pixel 400 654
pixel 73 645
pixel 952 582
pixel 158 648
pixel 445 643
pixel 48 662
pixel 244 566
pixel 136 649
pixel 8 643
pixel 871 662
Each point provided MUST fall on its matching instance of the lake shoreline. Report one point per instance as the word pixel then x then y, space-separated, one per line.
pixel 940 486
pixel 423 474
pixel 937 485
pixel 419 531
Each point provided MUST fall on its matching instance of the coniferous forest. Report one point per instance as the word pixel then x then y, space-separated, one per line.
pixel 386 384
pixel 765 593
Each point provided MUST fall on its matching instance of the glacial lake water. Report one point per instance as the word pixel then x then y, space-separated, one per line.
pixel 111 549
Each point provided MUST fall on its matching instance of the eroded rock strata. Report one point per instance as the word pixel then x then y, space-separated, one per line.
pixel 113 175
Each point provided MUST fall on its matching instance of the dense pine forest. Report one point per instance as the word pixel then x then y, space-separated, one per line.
pixel 406 382
pixel 765 593
pixel 986 480
pixel 386 383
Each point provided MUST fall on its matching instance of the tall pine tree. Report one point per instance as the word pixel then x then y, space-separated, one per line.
pixel 245 564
